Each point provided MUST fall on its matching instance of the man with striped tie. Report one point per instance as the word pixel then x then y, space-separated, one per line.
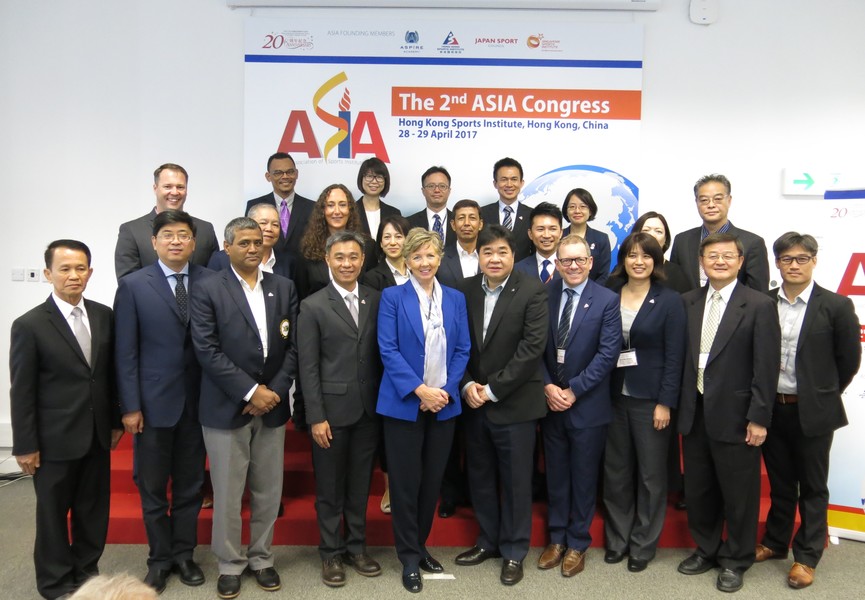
pixel 545 231
pixel 508 211
pixel 436 189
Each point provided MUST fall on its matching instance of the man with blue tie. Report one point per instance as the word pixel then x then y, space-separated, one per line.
pixel 508 211
pixel 159 379
pixel 436 189
pixel 582 350
pixel 545 231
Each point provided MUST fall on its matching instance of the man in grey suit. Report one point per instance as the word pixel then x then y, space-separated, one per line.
pixel 713 199
pixel 243 331
pixel 134 248
pixel 340 372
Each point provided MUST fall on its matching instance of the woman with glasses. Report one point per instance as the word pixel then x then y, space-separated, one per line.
pixel 645 388
pixel 578 209
pixel 373 181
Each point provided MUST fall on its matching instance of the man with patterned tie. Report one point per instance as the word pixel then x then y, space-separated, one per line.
pixel 436 189
pixel 508 211
pixel 65 418
pixel 340 371
pixel 545 231
pixel 159 380
pixel 728 391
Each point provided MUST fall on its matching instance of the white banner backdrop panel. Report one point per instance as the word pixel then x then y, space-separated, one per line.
pixel 562 100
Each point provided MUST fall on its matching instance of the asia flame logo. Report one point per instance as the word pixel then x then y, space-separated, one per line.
pixel 348 139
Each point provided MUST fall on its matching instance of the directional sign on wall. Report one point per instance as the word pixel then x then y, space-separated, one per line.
pixel 809 182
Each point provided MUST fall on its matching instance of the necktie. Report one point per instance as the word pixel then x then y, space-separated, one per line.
pixel 352 306
pixel 182 297
pixel 437 227
pixel 81 333
pixel 707 336
pixel 508 222
pixel 565 320
pixel 284 218
pixel 545 271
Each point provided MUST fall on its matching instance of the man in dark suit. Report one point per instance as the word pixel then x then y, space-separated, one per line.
pixel 134 248
pixel 728 390
pixel 243 332
pixel 294 210
pixel 713 199
pixel 340 371
pixel 545 231
pixel 820 354
pixel 508 210
pixel 159 381
pixel 504 394
pixel 583 346
pixel 436 189
pixel 267 217
pixel 65 419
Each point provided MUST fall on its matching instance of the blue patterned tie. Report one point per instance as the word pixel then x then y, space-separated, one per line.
pixel 508 222
pixel 437 227
pixel 546 275
pixel 182 298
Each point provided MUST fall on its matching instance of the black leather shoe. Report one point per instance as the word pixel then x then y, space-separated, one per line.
pixel 190 573
pixel 475 556
pixel 729 580
pixel 612 557
pixel 512 572
pixel 267 579
pixel 695 564
pixel 431 565
pixel 157 578
pixel 635 565
pixel 447 509
pixel 412 582
pixel 228 586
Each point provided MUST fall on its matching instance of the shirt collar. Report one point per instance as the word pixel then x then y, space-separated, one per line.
pixel 66 308
pixel 578 289
pixel 288 200
pixel 541 259
pixel 726 291
pixel 723 229
pixel 514 206
pixel 805 296
pixel 499 287
pixel 243 281
pixel 168 272
pixel 343 292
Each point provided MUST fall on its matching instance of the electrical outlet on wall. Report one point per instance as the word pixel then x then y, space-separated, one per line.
pixel 33 275
pixel 704 12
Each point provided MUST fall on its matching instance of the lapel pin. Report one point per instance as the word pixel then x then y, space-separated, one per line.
pixel 586 305
pixel 652 301
pixel 270 294
pixel 592 246
pixel 363 301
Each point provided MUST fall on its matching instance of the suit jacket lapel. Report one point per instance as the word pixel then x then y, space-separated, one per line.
pixel 411 306
pixel 729 322
pixel 362 308
pixel 160 285
pixel 237 294
pixel 268 288
pixel 695 317
pixel 65 330
pixel 505 296
pixel 337 303
pixel 582 304
pixel 647 306
pixel 812 309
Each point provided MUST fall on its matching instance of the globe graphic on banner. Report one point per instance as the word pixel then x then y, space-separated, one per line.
pixel 615 195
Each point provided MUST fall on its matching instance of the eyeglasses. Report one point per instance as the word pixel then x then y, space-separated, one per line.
pixel 567 262
pixel 726 256
pixel 578 207
pixel 281 174
pixel 375 178
pixel 431 187
pixel 716 199
pixel 170 237
pixel 800 260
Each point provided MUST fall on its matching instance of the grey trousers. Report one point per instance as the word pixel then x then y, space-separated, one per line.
pixel 252 453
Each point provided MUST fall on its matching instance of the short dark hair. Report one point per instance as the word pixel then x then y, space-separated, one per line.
pixel 398 222
pixel 648 244
pixel 722 238
pixel 169 167
pixel 70 244
pixel 374 166
pixel 713 177
pixel 239 224
pixel 641 222
pixel 493 233
pixel 433 170
pixel 545 209
pixel 343 236
pixel 465 203
pixel 167 217
pixel 794 238
pixel 506 162
pixel 280 156
pixel 587 199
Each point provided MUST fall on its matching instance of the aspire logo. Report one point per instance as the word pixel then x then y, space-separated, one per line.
pixel 349 135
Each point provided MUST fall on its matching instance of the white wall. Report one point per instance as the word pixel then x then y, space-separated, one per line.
pixel 94 94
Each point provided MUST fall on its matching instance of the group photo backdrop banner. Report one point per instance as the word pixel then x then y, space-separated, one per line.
pixel 564 100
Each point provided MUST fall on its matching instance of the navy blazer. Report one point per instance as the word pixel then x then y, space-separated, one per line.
pixel 658 335
pixel 529 266
pixel 157 373
pixel 591 352
pixel 450 271
pixel 419 219
pixel 599 246
pixel 284 264
pixel 228 347
pixel 401 343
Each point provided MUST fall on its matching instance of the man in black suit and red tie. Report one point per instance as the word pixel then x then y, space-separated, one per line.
pixel 820 354
pixel 728 392
pixel 508 211
pixel 65 419
pixel 294 210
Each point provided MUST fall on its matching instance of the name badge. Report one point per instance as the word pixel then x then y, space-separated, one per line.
pixel 703 360
pixel 628 358
pixel 560 356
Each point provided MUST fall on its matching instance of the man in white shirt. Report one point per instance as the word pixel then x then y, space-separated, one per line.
pixel 461 260
pixel 545 231
pixel 508 210
pixel 436 189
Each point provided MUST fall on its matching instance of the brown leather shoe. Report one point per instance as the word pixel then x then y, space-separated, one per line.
pixel 551 556
pixel 764 553
pixel 801 576
pixel 363 564
pixel 574 562
pixel 332 572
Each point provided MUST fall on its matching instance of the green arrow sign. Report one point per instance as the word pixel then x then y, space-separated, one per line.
pixel 807 182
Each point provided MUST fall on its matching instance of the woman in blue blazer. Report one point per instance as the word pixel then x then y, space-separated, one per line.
pixel 645 387
pixel 423 335
pixel 578 209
